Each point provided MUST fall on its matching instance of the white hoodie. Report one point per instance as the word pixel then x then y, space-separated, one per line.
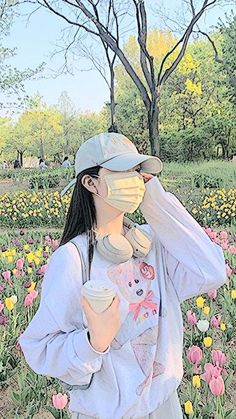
pixel 143 365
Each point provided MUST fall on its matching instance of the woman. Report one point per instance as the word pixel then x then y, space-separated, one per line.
pixel 66 162
pixel 127 361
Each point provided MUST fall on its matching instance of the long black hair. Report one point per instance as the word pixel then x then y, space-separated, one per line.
pixel 81 216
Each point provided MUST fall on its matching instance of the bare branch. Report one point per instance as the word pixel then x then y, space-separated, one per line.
pixel 220 60
pixel 184 39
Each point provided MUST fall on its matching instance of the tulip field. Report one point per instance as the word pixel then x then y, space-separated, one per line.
pixel 208 387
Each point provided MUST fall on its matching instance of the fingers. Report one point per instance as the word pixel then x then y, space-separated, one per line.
pixel 86 306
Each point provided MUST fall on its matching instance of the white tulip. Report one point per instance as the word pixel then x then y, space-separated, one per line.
pixel 13 299
pixel 203 325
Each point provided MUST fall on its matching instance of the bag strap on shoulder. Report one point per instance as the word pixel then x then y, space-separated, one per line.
pixel 84 269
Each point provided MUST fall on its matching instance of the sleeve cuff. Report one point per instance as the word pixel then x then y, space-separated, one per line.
pixel 97 352
pixel 84 349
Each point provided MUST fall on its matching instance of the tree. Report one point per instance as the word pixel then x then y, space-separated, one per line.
pixel 11 79
pixel 92 17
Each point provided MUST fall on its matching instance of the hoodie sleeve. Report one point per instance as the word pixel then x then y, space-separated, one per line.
pixel 55 343
pixel 194 263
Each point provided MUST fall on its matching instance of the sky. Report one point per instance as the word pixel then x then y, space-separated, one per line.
pixel 36 38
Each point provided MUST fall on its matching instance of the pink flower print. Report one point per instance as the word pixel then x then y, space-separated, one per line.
pixel 146 303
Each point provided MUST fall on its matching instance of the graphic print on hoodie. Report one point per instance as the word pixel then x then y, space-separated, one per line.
pixel 134 280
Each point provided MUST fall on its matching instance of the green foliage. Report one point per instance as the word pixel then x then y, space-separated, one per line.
pixel 205 181
pixel 44 180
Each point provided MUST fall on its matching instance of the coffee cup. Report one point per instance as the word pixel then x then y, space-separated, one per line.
pixel 99 293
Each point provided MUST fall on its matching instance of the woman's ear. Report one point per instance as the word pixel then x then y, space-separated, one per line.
pixel 89 183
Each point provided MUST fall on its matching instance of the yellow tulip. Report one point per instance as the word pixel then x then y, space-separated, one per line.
pixel 9 304
pixel 10 259
pixel 222 326
pixel 29 270
pixel 200 302
pixel 26 247
pixel 196 381
pixel 37 261
pixel 233 294
pixel 206 310
pixel 188 407
pixel 32 286
pixel 14 271
pixel 207 341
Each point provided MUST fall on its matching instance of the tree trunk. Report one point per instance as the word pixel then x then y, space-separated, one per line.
pixel 41 148
pixel 21 157
pixel 113 126
pixel 153 127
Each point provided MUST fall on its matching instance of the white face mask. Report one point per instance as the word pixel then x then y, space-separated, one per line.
pixel 125 191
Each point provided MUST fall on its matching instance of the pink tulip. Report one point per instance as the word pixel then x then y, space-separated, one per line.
pixel 1 307
pixel 217 240
pixel 213 235
pixel 3 320
pixel 30 297
pixel 228 270
pixel 212 294
pixel 28 300
pixel 44 268
pixel 210 372
pixel 6 275
pixel 223 235
pixel 55 244
pixel 59 400
pixel 208 230
pixel 218 357
pixel 217 386
pixel 19 273
pixel 191 318
pixel 194 355
pixel 20 264
pixel 215 321
pixel 34 294
pixel 232 250
pixel 224 245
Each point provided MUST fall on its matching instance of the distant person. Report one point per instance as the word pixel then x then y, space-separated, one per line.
pixel 42 164
pixel 66 162
pixel 4 165
pixel 17 164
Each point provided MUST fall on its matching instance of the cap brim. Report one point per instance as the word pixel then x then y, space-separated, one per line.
pixel 149 164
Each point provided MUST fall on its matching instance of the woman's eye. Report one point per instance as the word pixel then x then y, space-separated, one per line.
pixel 138 170
pixel 136 281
